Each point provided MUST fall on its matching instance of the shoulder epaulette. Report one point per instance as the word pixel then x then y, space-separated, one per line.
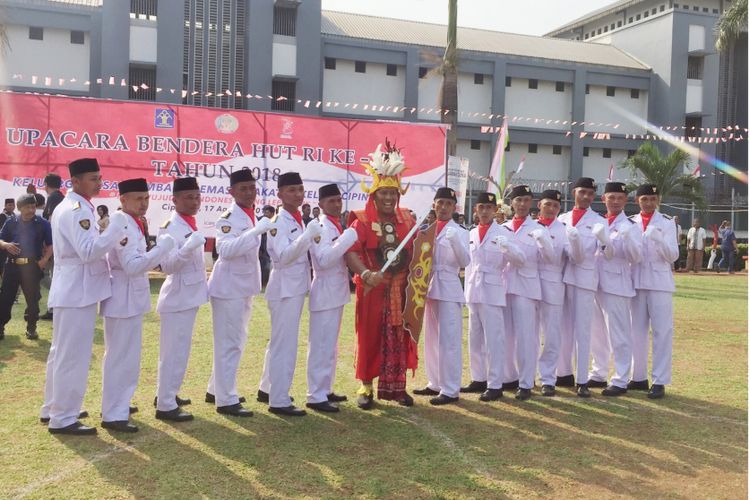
pixel 509 229
pixel 600 215
pixel 540 223
pixel 166 224
pixel 631 217
pixel 273 219
pixel 76 205
pixel 226 214
pixel 631 220
pixel 668 217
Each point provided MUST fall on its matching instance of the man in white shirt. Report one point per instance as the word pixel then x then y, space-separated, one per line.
pixel 696 242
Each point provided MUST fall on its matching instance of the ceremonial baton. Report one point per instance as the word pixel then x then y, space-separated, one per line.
pixel 401 245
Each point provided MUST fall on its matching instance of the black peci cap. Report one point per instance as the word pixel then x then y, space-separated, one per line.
pixel 328 190
pixel 585 182
pixel 243 175
pixel 289 179
pixel 646 189
pixel 83 165
pixel 133 186
pixel 185 184
pixel 487 198
pixel 445 193
pixel 520 190
pixel 615 187
pixel 551 194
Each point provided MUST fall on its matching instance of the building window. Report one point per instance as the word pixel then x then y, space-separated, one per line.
pixel 631 153
pixel 284 21
pixel 653 11
pixel 593 34
pixel 586 36
pixel 635 93
pixel 686 7
pixel 588 88
pixel 360 67
pixel 630 19
pixel 36 33
pixel 560 86
pixel 606 153
pixel 533 83
pixel 695 68
pixel 610 91
pixel 476 144
pixel 140 77
pixel 696 8
pixel 143 9
pixel 619 24
pixel 693 126
pixel 508 81
pixel 599 31
pixel 422 72
pixel 705 9
pixel 585 151
pixel 478 78
pixel 391 70
pixel 676 6
pixel 532 148
pixel 661 9
pixel 330 62
pixel 612 26
pixel 283 88
pixel 76 37
pixel 645 14
pixel 606 29
pixel 638 17
pixel 556 149
pixel 715 11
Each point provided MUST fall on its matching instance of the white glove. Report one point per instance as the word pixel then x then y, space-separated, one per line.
pixel 165 242
pixel 653 234
pixel 195 240
pixel 119 220
pixel 450 233
pixel 600 233
pixel 502 242
pixel 313 230
pixel 348 237
pixel 572 232
pixel 537 234
pixel 264 225
pixel 625 233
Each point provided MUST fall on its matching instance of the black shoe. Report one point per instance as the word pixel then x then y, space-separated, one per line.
pixel 566 381
pixel 176 415
pixel 287 411
pixel 426 392
pixel 336 398
pixel 323 406
pixel 475 386
pixel 132 409
pixel 407 401
pixel 523 394
pixel 613 390
pixel 46 316
pixel 638 385
pixel 31 334
pixel 210 398
pixel 491 395
pixel 656 392
pixel 83 414
pixel 583 391
pixel 364 401
pixel 234 410
pixel 120 426
pixel 548 390
pixel 75 429
pixel 177 399
pixel 442 399
pixel 510 386
pixel 596 384
pixel 262 396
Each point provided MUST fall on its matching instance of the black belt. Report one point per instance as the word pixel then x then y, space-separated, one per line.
pixel 21 260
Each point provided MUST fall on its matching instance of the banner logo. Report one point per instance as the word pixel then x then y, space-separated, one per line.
pixel 163 118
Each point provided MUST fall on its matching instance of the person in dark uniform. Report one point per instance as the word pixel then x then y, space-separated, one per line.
pixel 52 185
pixel 27 239
pixel 265 259
pixel 7 213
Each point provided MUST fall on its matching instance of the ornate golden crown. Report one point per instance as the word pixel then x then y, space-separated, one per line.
pixel 385 167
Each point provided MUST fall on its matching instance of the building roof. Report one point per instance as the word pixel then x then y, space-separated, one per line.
pixel 594 15
pixel 340 24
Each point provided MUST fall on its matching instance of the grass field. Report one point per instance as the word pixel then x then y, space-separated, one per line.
pixel 693 444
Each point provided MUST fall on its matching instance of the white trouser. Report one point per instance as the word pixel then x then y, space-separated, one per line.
pixel 579 303
pixel 654 308
pixel 72 340
pixel 616 310
pixel 487 344
pixel 121 365
pixel 601 350
pixel 522 321
pixel 322 351
pixel 230 319
pixel 175 337
pixel 550 320
pixel 281 354
pixel 442 346
pixel 510 367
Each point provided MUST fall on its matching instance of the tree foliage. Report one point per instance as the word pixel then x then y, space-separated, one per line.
pixel 731 24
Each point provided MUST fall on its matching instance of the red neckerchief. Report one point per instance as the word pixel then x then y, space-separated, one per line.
pixel 483 228
pixel 139 222
pixel 611 218
pixel 517 223
pixel 547 222
pixel 190 219
pixel 298 217
pixel 335 222
pixel 87 199
pixel 250 212
pixel 646 218
pixel 577 214
pixel 440 225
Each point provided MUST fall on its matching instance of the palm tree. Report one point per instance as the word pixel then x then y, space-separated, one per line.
pixel 731 24
pixel 449 88
pixel 666 172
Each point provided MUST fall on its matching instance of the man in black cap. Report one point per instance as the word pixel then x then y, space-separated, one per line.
pixel 329 293
pixel 234 281
pixel 81 282
pixel 123 311
pixel 443 323
pixel 27 239
pixel 52 185
pixel 183 292
pixel 654 286
pixel 524 292
pixel 288 284
pixel 587 236
pixel 553 289
pixel 8 212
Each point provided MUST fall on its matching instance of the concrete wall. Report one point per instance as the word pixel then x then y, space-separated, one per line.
pixel 374 88
pixel 544 102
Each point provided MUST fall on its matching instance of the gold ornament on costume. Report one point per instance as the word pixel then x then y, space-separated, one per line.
pixel 385 167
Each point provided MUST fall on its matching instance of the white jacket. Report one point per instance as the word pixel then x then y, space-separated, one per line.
pixel 288 248
pixel 448 257
pixel 616 274
pixel 581 269
pixel 330 284
pixel 654 272
pixel 485 281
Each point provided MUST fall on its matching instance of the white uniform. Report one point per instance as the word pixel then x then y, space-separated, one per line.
pixel 123 319
pixel 81 280
pixel 329 293
pixel 234 281
pixel 288 283
pixel 183 291
pixel 443 318
pixel 485 296
pixel 652 305
pixel 524 294
pixel 581 280
pixel 611 329
pixel 551 306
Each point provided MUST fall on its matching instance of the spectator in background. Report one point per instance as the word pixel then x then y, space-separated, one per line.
pixel 52 185
pixel 728 247
pixel 39 200
pixel 678 229
pixel 431 217
pixel 265 260
pixel 7 213
pixel 315 212
pixel 696 242
pixel 103 221
pixel 306 214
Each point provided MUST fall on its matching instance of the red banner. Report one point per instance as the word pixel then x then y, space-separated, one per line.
pixel 157 141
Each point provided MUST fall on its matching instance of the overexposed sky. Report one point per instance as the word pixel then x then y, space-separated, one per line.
pixel 530 17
